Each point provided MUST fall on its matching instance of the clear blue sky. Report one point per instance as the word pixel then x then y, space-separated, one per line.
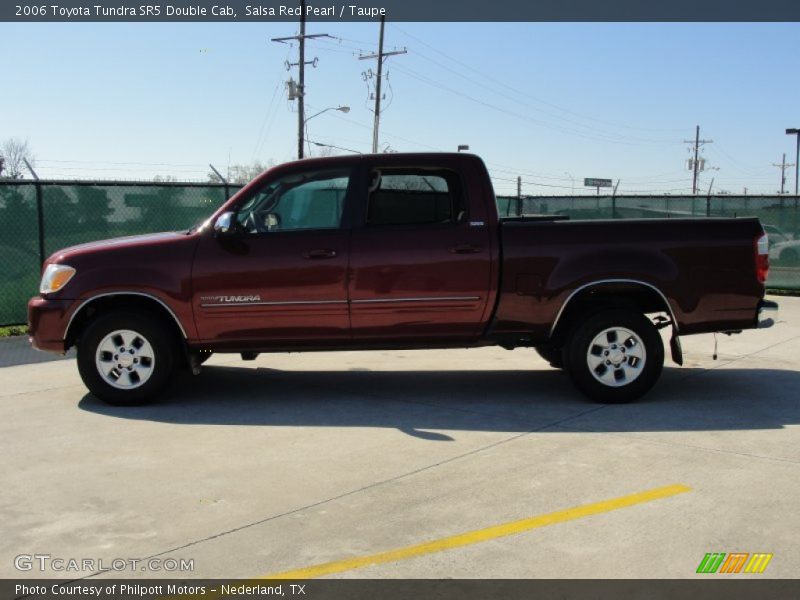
pixel 552 102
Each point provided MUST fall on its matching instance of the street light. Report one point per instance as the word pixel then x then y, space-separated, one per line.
pixel 321 145
pixel 464 147
pixel 342 109
pixel 796 132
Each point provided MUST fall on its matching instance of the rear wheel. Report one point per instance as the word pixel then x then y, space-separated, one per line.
pixel 126 357
pixel 615 356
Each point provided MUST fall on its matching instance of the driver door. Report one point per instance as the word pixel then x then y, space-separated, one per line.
pixel 281 278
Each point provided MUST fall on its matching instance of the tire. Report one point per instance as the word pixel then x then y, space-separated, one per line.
pixel 615 356
pixel 126 358
pixel 552 354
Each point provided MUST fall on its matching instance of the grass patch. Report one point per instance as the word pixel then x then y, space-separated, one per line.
pixel 11 330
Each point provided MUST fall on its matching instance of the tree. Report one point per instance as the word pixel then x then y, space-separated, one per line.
pixel 241 174
pixel 13 153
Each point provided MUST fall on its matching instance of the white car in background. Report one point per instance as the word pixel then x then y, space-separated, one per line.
pixel 784 250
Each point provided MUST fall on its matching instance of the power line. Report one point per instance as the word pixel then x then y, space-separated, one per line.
pixel 562 129
pixel 527 95
pixel 493 89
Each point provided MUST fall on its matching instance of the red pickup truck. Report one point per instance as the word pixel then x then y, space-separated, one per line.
pixel 397 251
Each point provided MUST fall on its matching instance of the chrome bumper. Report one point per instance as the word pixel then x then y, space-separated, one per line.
pixel 767 313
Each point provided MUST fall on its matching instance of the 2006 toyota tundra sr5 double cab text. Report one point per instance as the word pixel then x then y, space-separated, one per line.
pixel 397 251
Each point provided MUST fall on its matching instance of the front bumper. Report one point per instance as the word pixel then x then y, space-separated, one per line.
pixel 47 322
pixel 767 313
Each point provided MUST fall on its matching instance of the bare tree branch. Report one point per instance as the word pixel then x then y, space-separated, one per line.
pixel 13 153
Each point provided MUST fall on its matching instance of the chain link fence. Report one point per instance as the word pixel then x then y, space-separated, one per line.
pixel 780 216
pixel 38 218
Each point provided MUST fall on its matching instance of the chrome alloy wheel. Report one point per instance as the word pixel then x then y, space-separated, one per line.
pixel 616 356
pixel 125 359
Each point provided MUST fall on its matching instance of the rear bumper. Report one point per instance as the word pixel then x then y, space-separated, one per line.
pixel 47 323
pixel 767 313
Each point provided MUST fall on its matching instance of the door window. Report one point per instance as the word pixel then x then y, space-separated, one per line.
pixel 414 197
pixel 301 201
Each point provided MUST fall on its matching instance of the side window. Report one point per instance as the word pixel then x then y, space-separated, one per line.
pixel 304 201
pixel 414 197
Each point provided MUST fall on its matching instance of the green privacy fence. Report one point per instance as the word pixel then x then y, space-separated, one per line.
pixel 38 218
pixel 780 216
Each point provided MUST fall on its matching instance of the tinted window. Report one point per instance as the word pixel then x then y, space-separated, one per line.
pixel 413 197
pixel 304 201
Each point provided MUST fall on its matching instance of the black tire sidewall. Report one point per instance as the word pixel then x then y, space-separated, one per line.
pixel 583 335
pixel 144 324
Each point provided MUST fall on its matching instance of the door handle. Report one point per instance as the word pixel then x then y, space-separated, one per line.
pixel 466 249
pixel 320 254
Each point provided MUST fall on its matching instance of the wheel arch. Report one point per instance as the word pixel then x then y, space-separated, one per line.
pixel 121 300
pixel 610 293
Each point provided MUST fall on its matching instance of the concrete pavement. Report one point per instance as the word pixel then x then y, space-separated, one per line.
pixel 299 459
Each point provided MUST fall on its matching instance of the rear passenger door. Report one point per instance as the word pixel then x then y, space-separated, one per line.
pixel 419 269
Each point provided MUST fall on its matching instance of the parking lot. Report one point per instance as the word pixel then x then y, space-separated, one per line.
pixel 375 464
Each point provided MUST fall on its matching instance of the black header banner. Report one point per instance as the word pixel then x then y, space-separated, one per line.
pixel 401 10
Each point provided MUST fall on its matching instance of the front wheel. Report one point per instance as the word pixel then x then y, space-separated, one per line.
pixel 615 356
pixel 552 354
pixel 126 358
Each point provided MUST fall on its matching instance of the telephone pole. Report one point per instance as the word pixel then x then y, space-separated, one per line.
pixel 300 92
pixel 695 164
pixel 783 166
pixel 381 56
pixel 795 132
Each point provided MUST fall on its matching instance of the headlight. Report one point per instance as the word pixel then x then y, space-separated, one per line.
pixel 55 277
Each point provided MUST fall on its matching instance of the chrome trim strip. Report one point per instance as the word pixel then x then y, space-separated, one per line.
pixel 277 303
pixel 430 299
pixel 93 298
pixel 601 282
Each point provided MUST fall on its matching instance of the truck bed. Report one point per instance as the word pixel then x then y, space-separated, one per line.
pixel 704 268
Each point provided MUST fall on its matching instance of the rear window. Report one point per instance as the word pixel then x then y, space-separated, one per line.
pixel 414 197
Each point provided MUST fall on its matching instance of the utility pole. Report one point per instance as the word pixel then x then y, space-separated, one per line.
pixel 381 56
pixel 796 132
pixel 783 166
pixel 695 164
pixel 300 93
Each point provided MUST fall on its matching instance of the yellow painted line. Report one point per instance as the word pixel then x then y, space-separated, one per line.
pixel 482 535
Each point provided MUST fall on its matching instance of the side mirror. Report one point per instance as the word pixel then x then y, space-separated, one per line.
pixel 225 224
